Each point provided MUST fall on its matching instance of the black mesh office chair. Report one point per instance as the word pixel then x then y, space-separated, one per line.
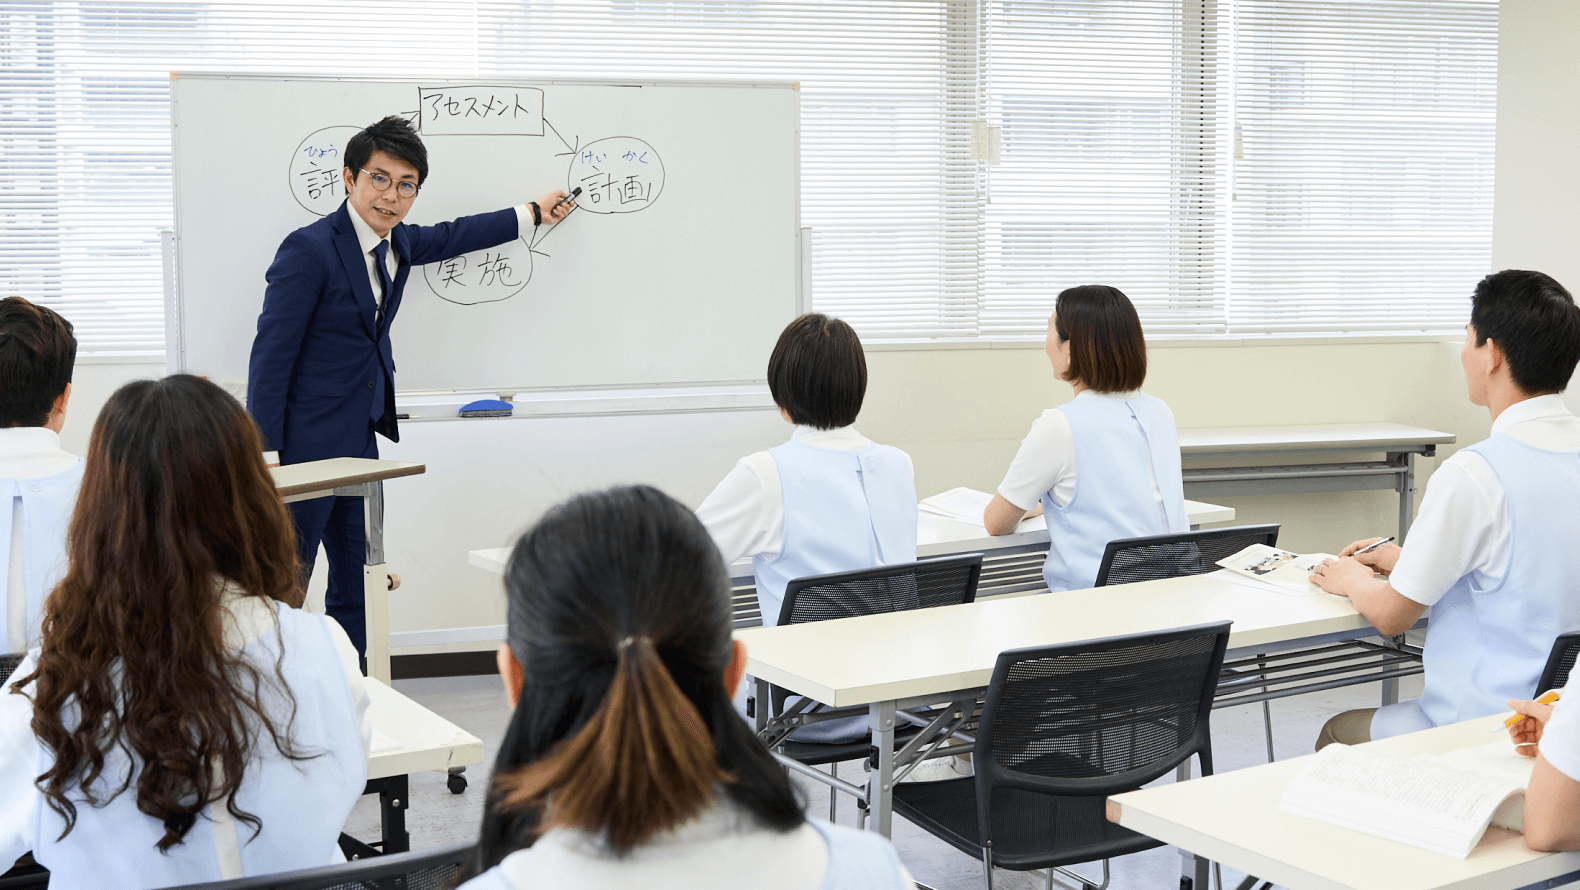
pixel 1063 727
pixel 436 869
pixel 946 581
pixel 8 665
pixel 26 875
pixel 1171 556
pixel 1559 662
pixel 1192 553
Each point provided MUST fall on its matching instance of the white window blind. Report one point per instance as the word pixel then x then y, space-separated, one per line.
pixel 1111 172
pixel 1359 200
pixel 1364 164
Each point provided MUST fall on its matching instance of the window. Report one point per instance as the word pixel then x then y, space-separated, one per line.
pixel 1236 166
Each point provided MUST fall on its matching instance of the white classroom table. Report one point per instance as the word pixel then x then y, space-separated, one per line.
pixel 1234 461
pixel 910 659
pixel 935 536
pixel 364 478
pixel 408 738
pixel 1233 818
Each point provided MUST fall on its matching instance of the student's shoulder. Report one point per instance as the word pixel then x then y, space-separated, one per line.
pixel 493 879
pixel 860 858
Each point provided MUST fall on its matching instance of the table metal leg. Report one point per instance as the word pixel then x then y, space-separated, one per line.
pixel 375 584
pixel 1406 491
pixel 392 792
pixel 880 782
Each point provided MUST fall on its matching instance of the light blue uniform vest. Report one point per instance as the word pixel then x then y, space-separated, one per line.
pixel 843 511
pixel 303 804
pixel 47 502
pixel 1120 447
pixel 857 860
pixel 1484 647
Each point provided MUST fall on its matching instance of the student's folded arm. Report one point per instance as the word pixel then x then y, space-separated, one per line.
pixel 1552 809
pixel 1390 611
pixel 1001 517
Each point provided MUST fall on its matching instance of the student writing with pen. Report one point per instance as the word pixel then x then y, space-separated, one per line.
pixel 1496 546
pixel 1551 734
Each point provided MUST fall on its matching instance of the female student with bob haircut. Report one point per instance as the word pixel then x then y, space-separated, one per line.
pixel 829 500
pixel 1120 440
pixel 625 763
pixel 179 722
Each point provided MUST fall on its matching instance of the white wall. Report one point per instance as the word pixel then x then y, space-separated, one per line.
pixel 1536 214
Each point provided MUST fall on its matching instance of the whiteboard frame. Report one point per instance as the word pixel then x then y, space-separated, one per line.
pixel 176 329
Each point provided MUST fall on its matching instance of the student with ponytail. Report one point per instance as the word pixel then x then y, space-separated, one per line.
pixel 179 722
pixel 625 763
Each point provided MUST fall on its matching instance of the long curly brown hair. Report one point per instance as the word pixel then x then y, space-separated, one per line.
pixel 175 500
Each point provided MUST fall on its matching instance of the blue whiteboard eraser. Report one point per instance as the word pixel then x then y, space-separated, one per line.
pixel 487 408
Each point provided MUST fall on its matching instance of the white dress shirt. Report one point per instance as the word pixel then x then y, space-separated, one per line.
pixel 1463 526
pixel 720 847
pixel 745 514
pixel 1046 459
pixel 1560 742
pixel 246 619
pixel 26 452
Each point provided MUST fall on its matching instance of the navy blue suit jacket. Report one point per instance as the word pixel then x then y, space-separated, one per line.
pixel 318 359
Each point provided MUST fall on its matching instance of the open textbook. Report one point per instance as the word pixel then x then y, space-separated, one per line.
pixel 1441 803
pixel 1287 571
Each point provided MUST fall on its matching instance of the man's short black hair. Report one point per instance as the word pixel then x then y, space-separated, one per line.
pixel 818 372
pixel 396 137
pixel 1535 323
pixel 37 354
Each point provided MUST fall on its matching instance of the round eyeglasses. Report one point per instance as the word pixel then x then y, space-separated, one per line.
pixel 406 188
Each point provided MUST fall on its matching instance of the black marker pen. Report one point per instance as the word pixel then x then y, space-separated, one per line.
pixel 570 197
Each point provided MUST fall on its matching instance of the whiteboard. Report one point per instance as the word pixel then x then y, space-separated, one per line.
pixel 680 267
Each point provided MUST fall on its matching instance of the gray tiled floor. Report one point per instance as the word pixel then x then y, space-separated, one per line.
pixel 477 704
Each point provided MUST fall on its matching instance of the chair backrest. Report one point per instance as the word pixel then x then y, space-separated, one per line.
pixel 1097 717
pixel 945 581
pixel 28 877
pixel 1559 662
pixel 9 664
pixel 435 869
pixel 1171 556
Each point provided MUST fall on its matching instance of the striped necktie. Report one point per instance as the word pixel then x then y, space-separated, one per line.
pixel 380 253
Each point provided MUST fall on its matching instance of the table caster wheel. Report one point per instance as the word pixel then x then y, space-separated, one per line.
pixel 456 784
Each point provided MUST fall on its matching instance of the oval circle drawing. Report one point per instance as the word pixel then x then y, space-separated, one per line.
pixel 315 169
pixel 482 276
pixel 620 174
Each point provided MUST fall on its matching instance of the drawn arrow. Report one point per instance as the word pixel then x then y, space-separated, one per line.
pixel 572 148
pixel 541 234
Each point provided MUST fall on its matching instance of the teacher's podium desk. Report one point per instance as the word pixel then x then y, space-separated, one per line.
pixel 1233 818
pixel 359 477
pixel 409 738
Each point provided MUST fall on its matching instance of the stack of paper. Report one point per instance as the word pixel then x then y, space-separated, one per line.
pixel 960 504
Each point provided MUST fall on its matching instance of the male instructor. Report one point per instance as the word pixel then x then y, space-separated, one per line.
pixel 320 381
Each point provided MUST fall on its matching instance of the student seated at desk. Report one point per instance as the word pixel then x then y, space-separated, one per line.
pixel 1495 548
pixel 1551 734
pixel 829 500
pixel 1122 442
pixel 179 722
pixel 38 479
pixel 625 763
